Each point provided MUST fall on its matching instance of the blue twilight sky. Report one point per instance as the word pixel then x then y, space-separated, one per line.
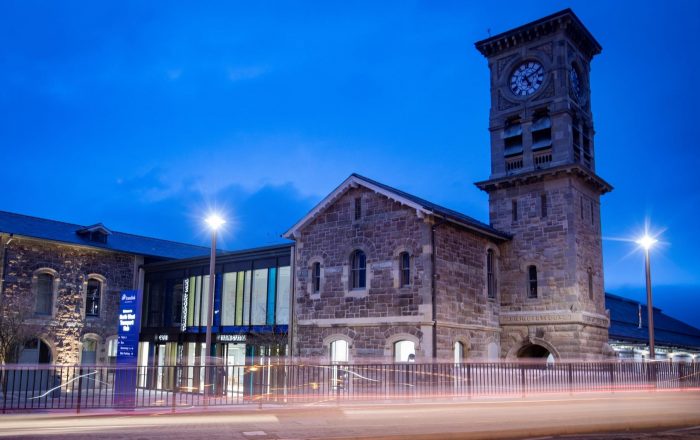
pixel 144 114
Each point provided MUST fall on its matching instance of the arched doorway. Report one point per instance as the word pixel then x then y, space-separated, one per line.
pixel 535 353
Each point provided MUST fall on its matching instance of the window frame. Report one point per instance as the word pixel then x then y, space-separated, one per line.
pixel 100 291
pixel 491 281
pixel 358 270
pixel 532 284
pixel 404 269
pixel 316 277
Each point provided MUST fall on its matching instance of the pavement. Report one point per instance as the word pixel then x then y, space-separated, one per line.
pixel 629 415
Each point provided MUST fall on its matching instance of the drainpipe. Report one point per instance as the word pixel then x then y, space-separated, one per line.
pixel 433 292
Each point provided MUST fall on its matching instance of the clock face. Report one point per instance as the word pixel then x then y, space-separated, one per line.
pixel 527 78
pixel 575 83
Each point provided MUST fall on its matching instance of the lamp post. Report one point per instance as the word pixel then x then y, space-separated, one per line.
pixel 647 242
pixel 214 222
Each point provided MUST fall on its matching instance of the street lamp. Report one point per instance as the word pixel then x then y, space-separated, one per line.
pixel 647 242
pixel 214 221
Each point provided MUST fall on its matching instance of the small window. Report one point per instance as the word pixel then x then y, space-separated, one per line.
pixel 490 273
pixel 543 205
pixel 541 130
pixel 92 297
pixel 340 352
pixel 404 351
pixel 513 138
pixel 316 277
pixel 358 268
pixel 581 207
pixel 590 283
pixel 405 269
pixel 44 294
pixel 458 352
pixel 532 282
pixel 358 208
pixel 592 221
pixel 514 210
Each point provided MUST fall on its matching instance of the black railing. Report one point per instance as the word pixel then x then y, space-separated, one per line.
pixel 82 387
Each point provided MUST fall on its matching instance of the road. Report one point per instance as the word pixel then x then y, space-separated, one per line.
pixel 534 417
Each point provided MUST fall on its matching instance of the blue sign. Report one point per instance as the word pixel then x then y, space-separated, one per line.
pixel 127 348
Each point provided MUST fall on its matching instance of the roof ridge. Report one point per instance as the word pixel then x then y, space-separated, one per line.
pixel 16 214
pixel 399 191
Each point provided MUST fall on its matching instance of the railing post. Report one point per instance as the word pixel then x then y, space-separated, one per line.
pixel 571 378
pixel 80 389
pixel 469 381
pixel 522 380
pixel 612 377
pixel 175 387
pixel 4 390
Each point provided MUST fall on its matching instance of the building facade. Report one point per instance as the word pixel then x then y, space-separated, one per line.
pixel 60 288
pixel 250 315
pixel 381 273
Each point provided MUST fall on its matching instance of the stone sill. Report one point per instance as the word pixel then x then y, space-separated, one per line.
pixel 357 293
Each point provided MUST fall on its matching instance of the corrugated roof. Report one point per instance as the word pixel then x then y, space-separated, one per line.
pixel 624 325
pixel 35 227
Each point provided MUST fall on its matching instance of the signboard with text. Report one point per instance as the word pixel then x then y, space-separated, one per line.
pixel 127 348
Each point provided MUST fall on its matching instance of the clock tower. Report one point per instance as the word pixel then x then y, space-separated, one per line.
pixel 544 191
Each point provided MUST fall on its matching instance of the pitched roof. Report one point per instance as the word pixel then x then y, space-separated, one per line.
pixel 624 325
pixel 422 207
pixel 35 227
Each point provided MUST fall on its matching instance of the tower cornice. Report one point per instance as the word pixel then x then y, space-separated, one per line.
pixel 564 20
pixel 545 174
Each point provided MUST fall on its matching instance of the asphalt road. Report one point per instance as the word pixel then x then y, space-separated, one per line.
pixel 618 416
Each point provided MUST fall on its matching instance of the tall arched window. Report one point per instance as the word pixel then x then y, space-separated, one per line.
pixel 404 351
pixel 316 277
pixel 405 269
pixel 93 297
pixel 358 269
pixel 340 352
pixel 44 294
pixel 490 273
pixel 532 281
pixel 458 352
pixel 590 283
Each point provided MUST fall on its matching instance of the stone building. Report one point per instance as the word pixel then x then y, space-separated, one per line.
pixel 382 273
pixel 61 284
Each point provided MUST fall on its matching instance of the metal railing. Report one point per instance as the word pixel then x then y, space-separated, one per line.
pixel 82 387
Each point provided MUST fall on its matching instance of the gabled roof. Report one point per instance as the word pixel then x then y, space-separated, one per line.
pixel 422 207
pixel 625 325
pixel 45 229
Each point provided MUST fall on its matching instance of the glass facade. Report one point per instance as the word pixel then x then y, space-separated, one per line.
pixel 250 316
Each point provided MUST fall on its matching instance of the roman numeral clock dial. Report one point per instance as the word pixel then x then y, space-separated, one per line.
pixel 527 78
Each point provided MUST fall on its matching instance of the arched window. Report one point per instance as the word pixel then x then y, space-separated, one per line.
pixel 89 353
pixel 340 352
pixel 35 351
pixel 44 294
pixel 532 281
pixel 358 269
pixel 405 269
pixel 491 273
pixel 458 352
pixel 590 283
pixel 93 296
pixel 316 277
pixel 112 350
pixel 404 351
